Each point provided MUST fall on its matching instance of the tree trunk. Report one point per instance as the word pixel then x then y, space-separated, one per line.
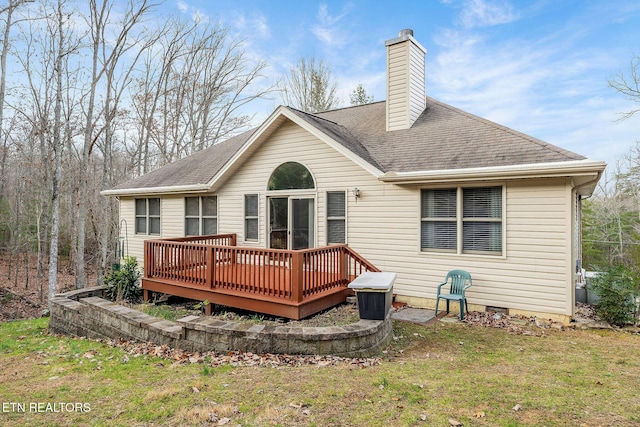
pixel 57 169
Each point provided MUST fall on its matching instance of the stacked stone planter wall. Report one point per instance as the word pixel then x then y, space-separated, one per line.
pixel 85 313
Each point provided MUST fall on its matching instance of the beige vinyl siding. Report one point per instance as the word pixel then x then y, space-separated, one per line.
pixel 417 93
pixel 383 225
pixel 172 216
pixel 331 172
pixel 396 87
pixel 134 242
pixel 405 85
pixel 171 222
pixel 535 273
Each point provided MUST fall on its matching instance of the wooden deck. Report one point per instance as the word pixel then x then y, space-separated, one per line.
pixel 292 284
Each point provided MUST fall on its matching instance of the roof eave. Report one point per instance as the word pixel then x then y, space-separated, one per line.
pixel 584 171
pixel 174 189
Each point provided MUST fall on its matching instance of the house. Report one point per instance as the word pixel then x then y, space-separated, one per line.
pixel 413 185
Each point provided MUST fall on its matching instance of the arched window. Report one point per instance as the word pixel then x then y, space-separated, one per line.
pixel 291 176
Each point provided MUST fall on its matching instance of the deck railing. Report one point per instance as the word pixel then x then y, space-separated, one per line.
pixel 214 263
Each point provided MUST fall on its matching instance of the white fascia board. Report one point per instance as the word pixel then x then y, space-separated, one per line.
pixel 535 170
pixel 257 136
pixel 181 189
pixel 334 144
pixel 247 146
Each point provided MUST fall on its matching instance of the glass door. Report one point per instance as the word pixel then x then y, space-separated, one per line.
pixel 279 222
pixel 303 222
pixel 291 223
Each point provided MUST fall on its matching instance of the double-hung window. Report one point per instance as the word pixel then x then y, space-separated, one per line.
pixel 251 217
pixel 147 216
pixel 462 220
pixel 200 215
pixel 336 231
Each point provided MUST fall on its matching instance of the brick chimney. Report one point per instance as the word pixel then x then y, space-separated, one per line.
pixel 405 81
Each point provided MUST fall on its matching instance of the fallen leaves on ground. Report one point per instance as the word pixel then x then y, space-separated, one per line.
pixel 14 306
pixel 238 358
pixel 515 324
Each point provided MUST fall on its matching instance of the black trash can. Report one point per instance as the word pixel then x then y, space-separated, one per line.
pixel 374 291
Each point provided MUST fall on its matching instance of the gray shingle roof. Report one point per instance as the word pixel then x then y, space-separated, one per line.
pixel 197 168
pixel 442 138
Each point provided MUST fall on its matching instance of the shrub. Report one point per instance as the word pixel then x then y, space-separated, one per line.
pixel 617 290
pixel 124 284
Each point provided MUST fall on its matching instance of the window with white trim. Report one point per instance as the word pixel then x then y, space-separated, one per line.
pixel 251 217
pixel 462 220
pixel 336 217
pixel 147 216
pixel 200 216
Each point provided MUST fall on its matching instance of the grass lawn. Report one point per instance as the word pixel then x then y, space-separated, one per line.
pixel 431 374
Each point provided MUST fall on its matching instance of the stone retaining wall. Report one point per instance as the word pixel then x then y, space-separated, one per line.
pixel 85 313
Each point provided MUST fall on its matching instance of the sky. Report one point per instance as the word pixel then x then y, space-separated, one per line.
pixel 540 67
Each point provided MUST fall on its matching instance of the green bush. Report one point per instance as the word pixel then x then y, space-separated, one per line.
pixel 617 289
pixel 124 284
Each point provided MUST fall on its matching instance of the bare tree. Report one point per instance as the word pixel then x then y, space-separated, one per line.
pixel 629 85
pixel 310 87
pixel 99 22
pixel 8 12
pixel 191 95
pixel 61 22
pixel 97 103
pixel 34 106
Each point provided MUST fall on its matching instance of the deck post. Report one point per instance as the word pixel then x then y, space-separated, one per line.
pixel 210 266
pixel 148 254
pixel 296 275
pixel 208 309
pixel 343 265
pixel 232 242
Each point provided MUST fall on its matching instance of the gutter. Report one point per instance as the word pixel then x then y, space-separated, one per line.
pixel 535 170
pixel 181 189
pixel 590 185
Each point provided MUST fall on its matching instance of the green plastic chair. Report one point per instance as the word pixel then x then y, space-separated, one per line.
pixel 459 280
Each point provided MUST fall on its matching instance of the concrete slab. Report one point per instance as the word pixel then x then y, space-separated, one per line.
pixel 415 315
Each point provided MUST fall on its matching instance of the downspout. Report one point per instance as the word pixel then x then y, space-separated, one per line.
pixel 578 206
